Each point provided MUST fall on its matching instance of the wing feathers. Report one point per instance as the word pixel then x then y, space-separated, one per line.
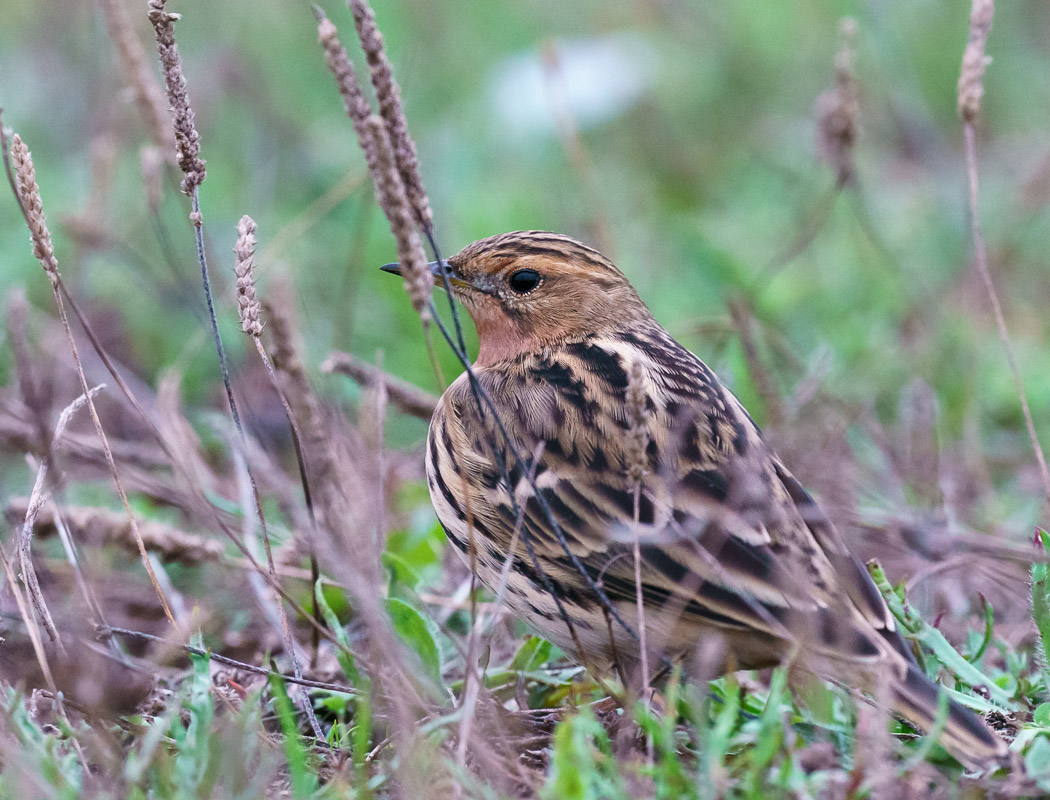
pixel 729 538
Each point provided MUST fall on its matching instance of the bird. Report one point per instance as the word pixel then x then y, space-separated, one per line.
pixel 586 455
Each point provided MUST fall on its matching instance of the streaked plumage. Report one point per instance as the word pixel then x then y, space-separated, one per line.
pixel 734 552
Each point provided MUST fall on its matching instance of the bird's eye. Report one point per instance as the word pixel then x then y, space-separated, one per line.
pixel 524 280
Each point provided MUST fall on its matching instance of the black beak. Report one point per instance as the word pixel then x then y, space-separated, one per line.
pixel 435 269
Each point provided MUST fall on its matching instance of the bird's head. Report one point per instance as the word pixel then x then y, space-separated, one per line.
pixel 530 289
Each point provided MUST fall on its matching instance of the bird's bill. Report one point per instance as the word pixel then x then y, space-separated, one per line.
pixel 435 270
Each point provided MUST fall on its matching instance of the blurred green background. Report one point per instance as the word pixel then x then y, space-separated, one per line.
pixel 679 137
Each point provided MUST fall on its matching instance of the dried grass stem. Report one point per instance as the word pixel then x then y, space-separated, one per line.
pixel 27 193
pixel 388 93
pixel 342 69
pixel 388 149
pixel 187 140
pixel 36 501
pixel 407 397
pixel 390 192
pixel 250 311
pixel 837 111
pixel 102 527
pixel 971 91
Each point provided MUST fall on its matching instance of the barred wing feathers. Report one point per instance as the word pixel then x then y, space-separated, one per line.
pixel 724 543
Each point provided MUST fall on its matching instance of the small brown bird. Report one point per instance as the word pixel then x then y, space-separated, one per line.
pixel 603 435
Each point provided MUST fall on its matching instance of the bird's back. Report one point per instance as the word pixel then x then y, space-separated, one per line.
pixel 729 540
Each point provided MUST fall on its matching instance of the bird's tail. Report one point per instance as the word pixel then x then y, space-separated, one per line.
pixel 965 736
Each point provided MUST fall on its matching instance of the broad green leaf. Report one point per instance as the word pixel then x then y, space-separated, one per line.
pixel 533 654
pixel 1037 761
pixel 343 654
pixel 1041 715
pixel 410 625
pixel 420 547
pixel 401 571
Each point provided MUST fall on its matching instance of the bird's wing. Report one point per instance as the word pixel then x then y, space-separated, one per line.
pixel 721 528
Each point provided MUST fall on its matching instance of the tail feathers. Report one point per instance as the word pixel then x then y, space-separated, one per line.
pixel 965 736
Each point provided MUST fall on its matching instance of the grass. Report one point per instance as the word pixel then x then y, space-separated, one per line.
pixel 733 737
pixel 850 320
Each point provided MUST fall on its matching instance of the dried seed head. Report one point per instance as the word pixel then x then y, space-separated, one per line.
pixel 389 152
pixel 29 196
pixel 187 140
pixel 390 193
pixel 837 110
pixel 388 93
pixel 971 87
pixel 148 95
pixel 247 306
pixel 638 416
pixel 357 107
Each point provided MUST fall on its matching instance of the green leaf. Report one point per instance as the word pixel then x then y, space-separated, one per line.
pixel 410 625
pixel 581 764
pixel 343 654
pixel 1041 596
pixel 727 718
pixel 303 778
pixel 771 727
pixel 361 735
pixel 1037 761
pixel 1041 715
pixel 919 629
pixel 191 741
pixel 989 626
pixel 401 571
pixel 419 548
pixel 533 654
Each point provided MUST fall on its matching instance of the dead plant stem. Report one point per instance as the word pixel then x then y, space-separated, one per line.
pixel 202 260
pixel 36 501
pixel 981 257
pixel 50 265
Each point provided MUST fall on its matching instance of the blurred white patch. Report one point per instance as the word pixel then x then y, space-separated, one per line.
pixel 579 82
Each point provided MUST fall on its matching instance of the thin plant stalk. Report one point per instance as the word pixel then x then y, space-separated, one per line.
pixel 249 310
pixel 472 680
pixel 162 442
pixel 33 214
pixel 971 90
pixel 198 226
pixel 38 650
pixel 192 165
pixel 300 458
pixel 37 498
pixel 110 631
